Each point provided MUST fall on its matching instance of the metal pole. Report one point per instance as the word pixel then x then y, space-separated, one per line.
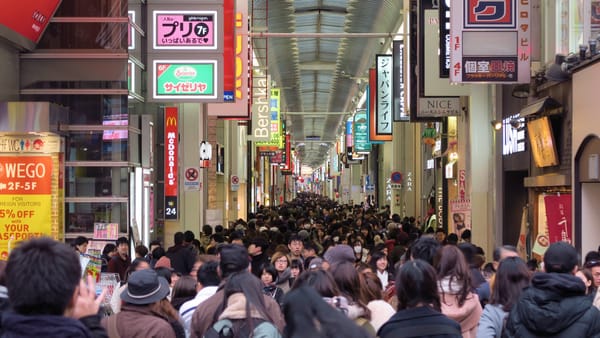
pixel 324 35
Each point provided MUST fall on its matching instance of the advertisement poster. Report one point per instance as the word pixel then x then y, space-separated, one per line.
pixel 541 243
pixel 185 30
pixel 460 212
pixel 25 199
pixel 106 230
pixel 558 216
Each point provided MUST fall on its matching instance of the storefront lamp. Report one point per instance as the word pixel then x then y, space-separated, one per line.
pixel 497 125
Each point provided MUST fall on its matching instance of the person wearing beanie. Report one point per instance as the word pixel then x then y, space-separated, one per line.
pixel 556 304
pixel 339 254
pixel 234 260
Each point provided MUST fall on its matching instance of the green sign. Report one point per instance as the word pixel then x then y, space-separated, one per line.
pixel 180 80
pixel 361 134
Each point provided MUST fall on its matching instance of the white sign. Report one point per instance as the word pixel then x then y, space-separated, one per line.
pixel 439 106
pixel 513 135
pixel 261 110
pixel 384 95
pixel 235 183
pixel 191 179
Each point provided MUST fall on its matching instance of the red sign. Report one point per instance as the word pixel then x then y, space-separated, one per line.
pixel 171 158
pixel 228 50
pixel 483 13
pixel 28 18
pixel 26 175
pixel 558 214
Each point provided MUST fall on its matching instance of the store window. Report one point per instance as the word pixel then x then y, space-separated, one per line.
pixel 81 217
pixel 578 22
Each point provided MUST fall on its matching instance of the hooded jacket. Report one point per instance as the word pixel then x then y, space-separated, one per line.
pixel 555 305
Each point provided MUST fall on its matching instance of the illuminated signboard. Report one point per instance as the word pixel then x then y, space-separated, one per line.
pixel 24 22
pixel 490 41
pixel 384 106
pixel 361 133
pixel 184 79
pixel 171 159
pixel 189 30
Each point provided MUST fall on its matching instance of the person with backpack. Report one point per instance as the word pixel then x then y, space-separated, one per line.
pixel 243 312
pixel 233 259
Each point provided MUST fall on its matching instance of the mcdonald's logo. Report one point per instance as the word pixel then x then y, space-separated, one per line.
pixel 171 121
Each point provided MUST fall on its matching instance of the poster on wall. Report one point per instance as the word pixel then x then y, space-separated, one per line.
pixel 460 213
pixel 25 199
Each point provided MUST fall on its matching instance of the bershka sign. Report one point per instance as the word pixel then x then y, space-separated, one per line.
pixel 261 117
pixel 171 159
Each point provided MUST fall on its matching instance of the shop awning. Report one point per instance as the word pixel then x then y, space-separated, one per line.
pixel 544 106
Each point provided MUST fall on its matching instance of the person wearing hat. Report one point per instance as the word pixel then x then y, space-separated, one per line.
pixel 556 304
pixel 339 254
pixel 145 312
pixel 234 259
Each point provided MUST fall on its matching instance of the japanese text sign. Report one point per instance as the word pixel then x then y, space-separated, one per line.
pixel 384 95
pixel 181 79
pixel 490 41
pixel 179 30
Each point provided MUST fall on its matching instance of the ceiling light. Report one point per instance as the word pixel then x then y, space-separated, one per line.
pixel 497 125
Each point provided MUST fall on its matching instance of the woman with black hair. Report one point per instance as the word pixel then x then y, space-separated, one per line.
pixel 419 307
pixel 511 278
pixel 380 265
pixel 269 276
pixel 307 315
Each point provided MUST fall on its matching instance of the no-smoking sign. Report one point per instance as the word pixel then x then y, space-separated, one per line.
pixel 235 183
pixel 191 177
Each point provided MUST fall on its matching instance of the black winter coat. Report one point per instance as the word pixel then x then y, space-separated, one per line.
pixel 421 322
pixel 182 258
pixel 555 305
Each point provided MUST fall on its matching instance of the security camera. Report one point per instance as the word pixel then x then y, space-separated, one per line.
pixel 381 41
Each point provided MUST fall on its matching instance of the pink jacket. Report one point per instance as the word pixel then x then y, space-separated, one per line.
pixel 467 315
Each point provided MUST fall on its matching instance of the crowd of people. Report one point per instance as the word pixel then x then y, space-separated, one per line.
pixel 308 268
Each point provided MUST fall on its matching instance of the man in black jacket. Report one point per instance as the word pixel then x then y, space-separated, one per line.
pixel 47 295
pixel 555 305
pixel 182 258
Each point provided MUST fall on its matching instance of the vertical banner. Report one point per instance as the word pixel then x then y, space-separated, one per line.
pixel 522 242
pixel 361 133
pixel 228 50
pixel 542 242
pixel 384 96
pixel 349 136
pixel 558 215
pixel 398 88
pixel 490 41
pixel 372 109
pixel 444 29
pixel 171 178
pixel 238 109
pixel 261 117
